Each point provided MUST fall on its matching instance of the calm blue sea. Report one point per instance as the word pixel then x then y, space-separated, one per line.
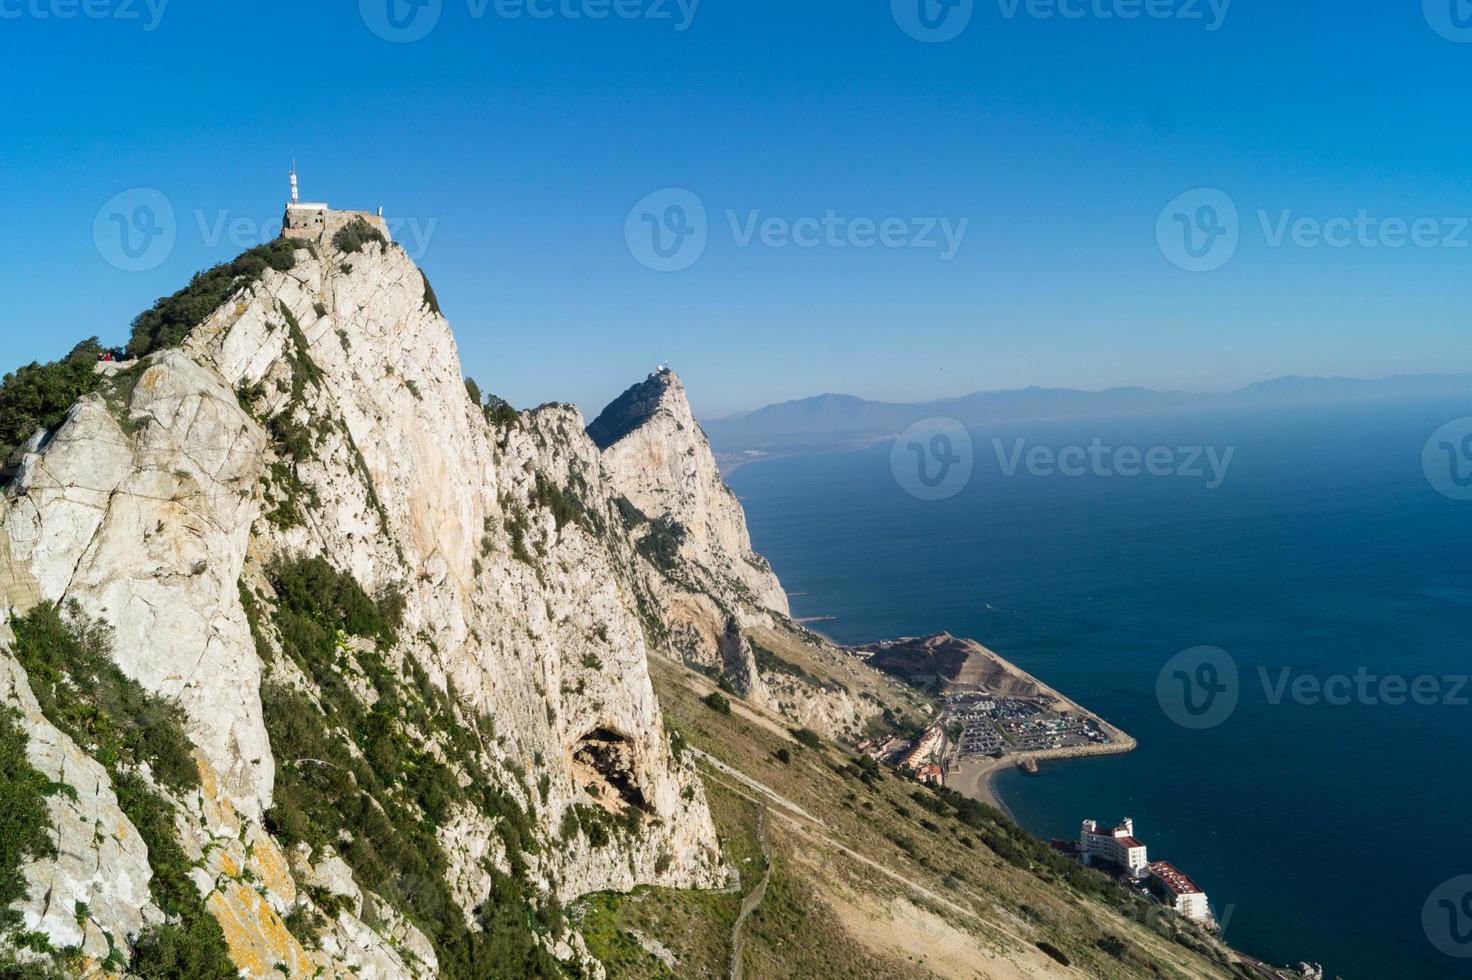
pixel 1318 830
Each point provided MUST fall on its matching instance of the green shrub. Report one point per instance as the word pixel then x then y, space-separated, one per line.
pixel 38 396
pixel 430 299
pixel 566 509
pixel 171 318
pixel 25 823
pixel 500 413
pixel 333 600
pixel 717 702
pixel 352 236
pixel 662 544
pixel 193 949
pixel 807 737
pixel 82 692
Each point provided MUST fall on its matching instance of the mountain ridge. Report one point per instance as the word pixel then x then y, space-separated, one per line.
pixel 833 419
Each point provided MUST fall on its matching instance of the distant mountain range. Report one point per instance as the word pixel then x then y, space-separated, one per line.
pixel 829 421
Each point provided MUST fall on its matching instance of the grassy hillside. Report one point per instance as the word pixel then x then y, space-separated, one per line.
pixel 871 875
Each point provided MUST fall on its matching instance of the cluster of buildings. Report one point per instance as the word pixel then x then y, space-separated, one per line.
pixel 931 773
pixel 877 748
pixel 925 746
pixel 1119 850
pixel 919 757
pixel 305 219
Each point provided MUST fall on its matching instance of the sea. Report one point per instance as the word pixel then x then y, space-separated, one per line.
pixel 1315 782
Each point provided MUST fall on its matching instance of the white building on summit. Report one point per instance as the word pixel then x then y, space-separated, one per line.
pixel 1117 846
pixel 305 219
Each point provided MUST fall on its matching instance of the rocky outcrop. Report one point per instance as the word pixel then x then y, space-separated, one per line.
pixel 321 411
pixel 954 661
pixel 657 456
pixel 738 663
pixel 140 508
pixel 94 892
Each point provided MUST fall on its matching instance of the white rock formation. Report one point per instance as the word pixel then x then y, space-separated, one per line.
pixel 160 495
pixel 101 864
pixel 658 457
pixel 143 517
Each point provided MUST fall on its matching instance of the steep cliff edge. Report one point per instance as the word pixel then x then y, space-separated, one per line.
pixel 313 437
pixel 657 456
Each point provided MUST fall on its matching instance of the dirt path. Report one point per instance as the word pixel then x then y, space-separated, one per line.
pixel 766 791
pixel 815 831
pixel 748 906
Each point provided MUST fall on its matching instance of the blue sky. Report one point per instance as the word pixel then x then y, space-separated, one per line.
pixel 522 144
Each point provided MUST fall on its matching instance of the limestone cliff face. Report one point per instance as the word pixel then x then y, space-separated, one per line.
pixel 161 500
pixel 658 457
pixel 142 514
pixel 712 587
pixel 100 859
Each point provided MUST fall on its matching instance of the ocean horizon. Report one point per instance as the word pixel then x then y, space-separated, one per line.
pixel 1319 825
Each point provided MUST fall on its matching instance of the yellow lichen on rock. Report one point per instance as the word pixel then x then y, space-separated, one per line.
pixel 269 866
pixel 257 938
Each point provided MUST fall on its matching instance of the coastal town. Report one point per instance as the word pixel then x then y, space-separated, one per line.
pixel 990 715
pixel 999 727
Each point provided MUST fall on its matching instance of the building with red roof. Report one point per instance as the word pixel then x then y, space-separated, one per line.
pixel 1179 891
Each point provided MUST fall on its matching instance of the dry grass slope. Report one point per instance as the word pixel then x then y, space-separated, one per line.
pixel 877 878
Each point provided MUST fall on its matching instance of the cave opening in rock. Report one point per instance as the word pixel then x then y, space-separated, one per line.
pixel 603 769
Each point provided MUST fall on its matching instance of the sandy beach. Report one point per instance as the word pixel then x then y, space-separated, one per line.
pixel 973 778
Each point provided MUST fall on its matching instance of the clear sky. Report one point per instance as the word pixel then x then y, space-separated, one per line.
pixel 522 145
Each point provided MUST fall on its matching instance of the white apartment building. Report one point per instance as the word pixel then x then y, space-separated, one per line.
pixel 1118 846
pixel 1179 891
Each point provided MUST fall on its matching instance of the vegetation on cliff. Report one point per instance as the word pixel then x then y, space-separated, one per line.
pixel 377 781
pixel 24 821
pixel 352 236
pixel 38 396
pixel 130 732
pixel 169 321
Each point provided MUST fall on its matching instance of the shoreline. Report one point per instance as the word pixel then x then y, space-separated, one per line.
pixel 977 778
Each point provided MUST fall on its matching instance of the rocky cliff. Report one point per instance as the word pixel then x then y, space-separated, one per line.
pixel 313 437
pixel 658 457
